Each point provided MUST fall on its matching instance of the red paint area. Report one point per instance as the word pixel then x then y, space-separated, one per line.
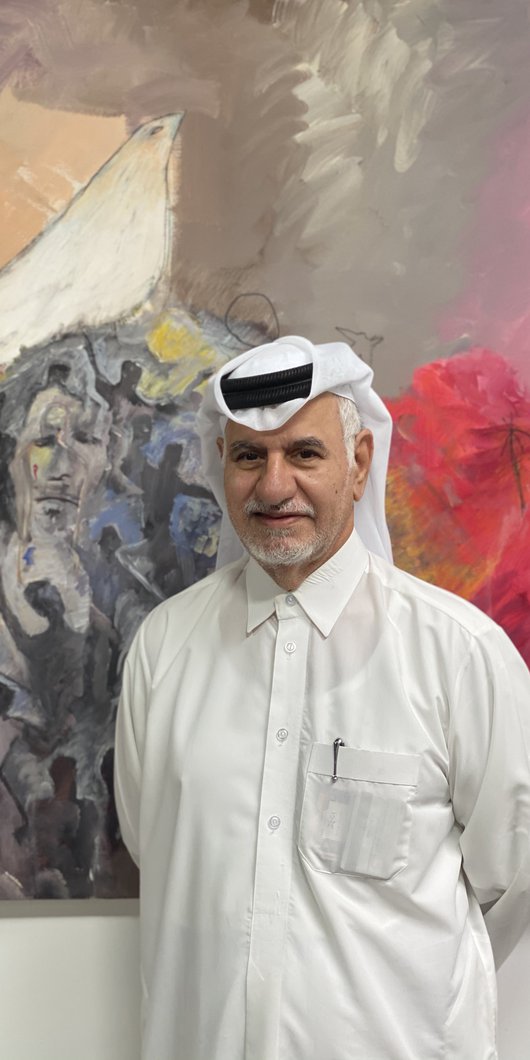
pixel 459 484
pixel 35 470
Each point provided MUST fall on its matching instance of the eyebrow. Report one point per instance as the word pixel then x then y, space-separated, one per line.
pixel 309 442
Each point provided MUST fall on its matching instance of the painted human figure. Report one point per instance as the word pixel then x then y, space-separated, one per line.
pixel 56 645
pixel 97 526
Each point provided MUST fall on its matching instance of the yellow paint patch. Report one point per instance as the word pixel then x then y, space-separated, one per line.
pixel 39 458
pixel 176 336
pixel 185 357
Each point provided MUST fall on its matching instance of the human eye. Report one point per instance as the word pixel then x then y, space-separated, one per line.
pixel 248 456
pixel 45 442
pixel 307 454
pixel 85 438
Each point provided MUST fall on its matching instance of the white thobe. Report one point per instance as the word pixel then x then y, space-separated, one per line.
pixel 289 915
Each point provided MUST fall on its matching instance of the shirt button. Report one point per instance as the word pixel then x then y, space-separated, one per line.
pixel 282 735
pixel 290 599
pixel 290 647
pixel 274 823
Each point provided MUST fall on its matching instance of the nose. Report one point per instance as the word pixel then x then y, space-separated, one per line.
pixel 276 482
pixel 60 467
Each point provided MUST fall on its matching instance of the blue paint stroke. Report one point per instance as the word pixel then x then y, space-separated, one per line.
pixel 166 432
pixel 117 512
pixel 194 525
pixel 28 555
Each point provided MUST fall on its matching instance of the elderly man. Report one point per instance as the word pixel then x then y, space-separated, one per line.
pixel 322 762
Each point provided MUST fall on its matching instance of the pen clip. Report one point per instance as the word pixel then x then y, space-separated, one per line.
pixel 336 744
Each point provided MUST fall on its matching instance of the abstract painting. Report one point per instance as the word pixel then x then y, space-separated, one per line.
pixel 459 484
pixel 180 182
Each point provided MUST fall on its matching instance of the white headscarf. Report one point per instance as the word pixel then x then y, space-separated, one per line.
pixel 337 370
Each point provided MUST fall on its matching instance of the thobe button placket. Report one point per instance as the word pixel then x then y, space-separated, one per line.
pixel 274 851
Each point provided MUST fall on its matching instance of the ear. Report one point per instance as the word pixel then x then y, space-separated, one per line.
pixel 220 443
pixel 364 451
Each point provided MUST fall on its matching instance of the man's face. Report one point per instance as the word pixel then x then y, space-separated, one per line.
pixel 59 460
pixel 290 492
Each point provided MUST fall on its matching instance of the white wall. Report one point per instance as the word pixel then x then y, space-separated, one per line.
pixel 514 1004
pixel 69 985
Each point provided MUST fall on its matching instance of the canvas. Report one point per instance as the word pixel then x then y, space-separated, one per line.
pixel 182 181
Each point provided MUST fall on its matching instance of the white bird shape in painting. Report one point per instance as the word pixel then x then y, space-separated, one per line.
pixel 103 257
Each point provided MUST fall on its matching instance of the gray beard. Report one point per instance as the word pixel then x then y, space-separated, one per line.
pixel 278 552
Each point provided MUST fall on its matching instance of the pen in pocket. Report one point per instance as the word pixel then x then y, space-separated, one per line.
pixel 336 744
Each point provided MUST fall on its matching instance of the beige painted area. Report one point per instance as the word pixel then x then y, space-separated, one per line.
pixel 333 154
pixel 45 157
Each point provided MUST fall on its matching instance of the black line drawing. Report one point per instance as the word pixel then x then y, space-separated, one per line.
pixel 352 336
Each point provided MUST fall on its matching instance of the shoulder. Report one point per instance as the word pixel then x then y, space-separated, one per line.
pixel 194 601
pixel 171 623
pixel 412 593
pixel 449 634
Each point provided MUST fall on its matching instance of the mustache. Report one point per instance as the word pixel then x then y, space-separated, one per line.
pixel 255 507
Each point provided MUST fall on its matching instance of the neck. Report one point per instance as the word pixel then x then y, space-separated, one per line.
pixel 290 578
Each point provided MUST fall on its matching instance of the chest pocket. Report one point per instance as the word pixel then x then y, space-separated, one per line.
pixel 358 824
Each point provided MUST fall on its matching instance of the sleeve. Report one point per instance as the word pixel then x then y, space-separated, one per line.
pixel 130 735
pixel 489 747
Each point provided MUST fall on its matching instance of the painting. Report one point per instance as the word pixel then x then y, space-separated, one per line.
pixel 181 181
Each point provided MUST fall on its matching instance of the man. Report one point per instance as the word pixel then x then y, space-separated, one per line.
pixel 322 762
